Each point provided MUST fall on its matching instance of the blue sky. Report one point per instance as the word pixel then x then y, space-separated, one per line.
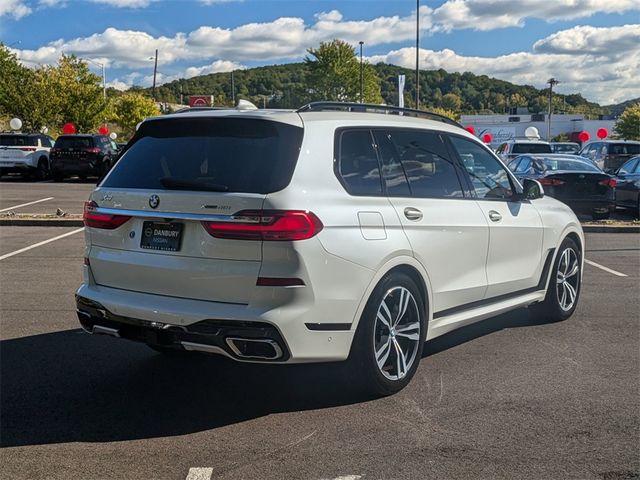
pixel 590 45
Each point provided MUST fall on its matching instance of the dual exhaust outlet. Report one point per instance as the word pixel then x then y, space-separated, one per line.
pixel 244 348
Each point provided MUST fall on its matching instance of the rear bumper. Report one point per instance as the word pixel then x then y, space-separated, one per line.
pixel 209 326
pixel 591 205
pixel 10 166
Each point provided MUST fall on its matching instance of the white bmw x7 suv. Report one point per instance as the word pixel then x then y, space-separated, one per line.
pixel 335 232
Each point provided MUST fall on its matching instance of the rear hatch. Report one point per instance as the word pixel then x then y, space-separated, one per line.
pixel 74 152
pixel 579 185
pixel 618 154
pixel 16 149
pixel 170 205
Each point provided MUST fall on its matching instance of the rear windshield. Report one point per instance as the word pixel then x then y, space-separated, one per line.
pixel 235 154
pixel 74 142
pixel 565 147
pixel 18 141
pixel 531 148
pixel 624 148
pixel 569 165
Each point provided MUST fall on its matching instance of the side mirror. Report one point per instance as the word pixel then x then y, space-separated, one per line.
pixel 532 189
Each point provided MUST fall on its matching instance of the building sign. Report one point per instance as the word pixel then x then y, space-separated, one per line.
pixel 200 100
pixel 499 134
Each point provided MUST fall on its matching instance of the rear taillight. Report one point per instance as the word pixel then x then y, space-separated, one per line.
pixel 91 150
pixel 101 220
pixel 550 181
pixel 268 225
pixel 608 182
pixel 28 149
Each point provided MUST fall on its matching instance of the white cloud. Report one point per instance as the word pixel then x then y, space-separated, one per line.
pixel 495 14
pixel 14 8
pixel 124 3
pixel 611 41
pixel 218 66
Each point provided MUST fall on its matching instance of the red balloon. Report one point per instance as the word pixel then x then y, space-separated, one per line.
pixel 584 136
pixel 471 129
pixel 487 138
pixel 602 133
pixel 103 130
pixel 69 128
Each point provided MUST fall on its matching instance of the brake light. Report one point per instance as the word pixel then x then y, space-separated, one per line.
pixel 101 220
pixel 608 182
pixel 550 181
pixel 91 150
pixel 28 149
pixel 268 225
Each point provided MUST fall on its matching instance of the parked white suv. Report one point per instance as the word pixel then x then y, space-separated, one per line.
pixel 318 235
pixel 26 153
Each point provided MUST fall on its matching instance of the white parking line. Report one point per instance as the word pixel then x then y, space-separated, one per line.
pixel 602 267
pixel 35 245
pixel 200 473
pixel 27 204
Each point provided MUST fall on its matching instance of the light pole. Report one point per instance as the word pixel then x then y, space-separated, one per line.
pixel 233 90
pixel 104 76
pixel 361 74
pixel 417 54
pixel 155 70
pixel 552 81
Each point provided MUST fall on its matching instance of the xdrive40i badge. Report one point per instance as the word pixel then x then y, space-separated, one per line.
pixel 154 201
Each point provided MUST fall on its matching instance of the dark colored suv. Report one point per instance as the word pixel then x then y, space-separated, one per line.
pixel 82 155
pixel 609 155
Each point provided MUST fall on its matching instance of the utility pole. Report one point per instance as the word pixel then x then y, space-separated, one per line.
pixel 155 70
pixel 233 90
pixel 361 74
pixel 417 54
pixel 551 82
pixel 104 83
pixel 181 93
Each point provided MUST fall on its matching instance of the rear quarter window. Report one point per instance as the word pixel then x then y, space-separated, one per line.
pixel 238 154
pixel 357 165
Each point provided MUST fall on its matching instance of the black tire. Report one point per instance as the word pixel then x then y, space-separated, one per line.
pixel 362 367
pixel 42 171
pixel 552 308
pixel 57 176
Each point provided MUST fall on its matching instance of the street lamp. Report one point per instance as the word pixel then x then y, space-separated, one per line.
pixel 551 82
pixel 104 77
pixel 361 74
pixel 417 54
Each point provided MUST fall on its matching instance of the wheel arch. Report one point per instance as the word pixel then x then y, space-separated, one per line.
pixel 412 268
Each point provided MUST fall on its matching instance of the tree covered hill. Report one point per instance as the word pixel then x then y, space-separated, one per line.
pixel 288 86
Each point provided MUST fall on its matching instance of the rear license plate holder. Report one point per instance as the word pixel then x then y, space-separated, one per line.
pixel 163 236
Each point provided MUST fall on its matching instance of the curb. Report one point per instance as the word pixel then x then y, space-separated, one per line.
pixel 610 229
pixel 36 222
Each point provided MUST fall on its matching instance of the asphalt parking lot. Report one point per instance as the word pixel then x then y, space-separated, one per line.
pixel 20 196
pixel 506 398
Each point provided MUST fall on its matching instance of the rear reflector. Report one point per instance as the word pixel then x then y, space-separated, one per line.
pixel 279 282
pixel 267 225
pixel 101 220
pixel 28 149
pixel 550 181
pixel 608 182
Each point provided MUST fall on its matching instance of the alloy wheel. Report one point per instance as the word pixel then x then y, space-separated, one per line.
pixel 568 279
pixel 396 334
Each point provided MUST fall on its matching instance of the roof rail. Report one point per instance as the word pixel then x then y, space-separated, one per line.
pixel 200 109
pixel 373 108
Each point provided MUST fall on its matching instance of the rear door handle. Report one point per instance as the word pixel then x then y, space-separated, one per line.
pixel 494 216
pixel 412 213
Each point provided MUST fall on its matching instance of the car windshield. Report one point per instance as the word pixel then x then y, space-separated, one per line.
pixel 18 141
pixel 531 148
pixel 74 142
pixel 565 147
pixel 219 154
pixel 624 148
pixel 569 165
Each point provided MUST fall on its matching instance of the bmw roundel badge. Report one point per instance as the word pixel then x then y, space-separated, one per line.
pixel 154 201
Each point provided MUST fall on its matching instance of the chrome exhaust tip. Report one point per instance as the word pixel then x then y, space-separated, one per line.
pixel 100 330
pixel 256 348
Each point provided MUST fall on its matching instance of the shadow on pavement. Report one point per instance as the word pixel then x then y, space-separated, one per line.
pixel 70 387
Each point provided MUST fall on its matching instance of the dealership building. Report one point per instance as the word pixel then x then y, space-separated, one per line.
pixel 506 127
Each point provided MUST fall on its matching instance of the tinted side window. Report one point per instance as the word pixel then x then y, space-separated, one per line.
pixel 392 171
pixel 45 142
pixel 357 165
pixel 426 164
pixel 488 176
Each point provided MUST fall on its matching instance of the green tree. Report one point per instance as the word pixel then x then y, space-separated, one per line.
pixel 334 74
pixel 78 94
pixel 446 113
pixel 451 101
pixel 131 108
pixel 517 100
pixel 628 124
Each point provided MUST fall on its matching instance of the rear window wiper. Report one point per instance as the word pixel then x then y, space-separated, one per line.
pixel 172 183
